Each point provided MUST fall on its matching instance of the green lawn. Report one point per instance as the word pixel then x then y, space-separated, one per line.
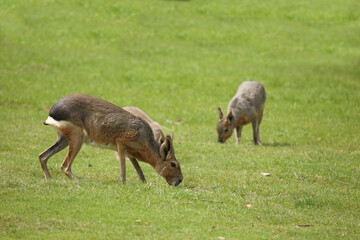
pixel 178 61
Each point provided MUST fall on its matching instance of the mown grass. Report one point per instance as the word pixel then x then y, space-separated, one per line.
pixel 178 61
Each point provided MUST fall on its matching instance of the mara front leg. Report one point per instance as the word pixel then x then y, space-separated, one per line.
pixel 138 169
pixel 121 156
pixel 238 134
pixel 135 164
pixel 256 134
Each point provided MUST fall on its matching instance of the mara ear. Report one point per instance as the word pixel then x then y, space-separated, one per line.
pixel 161 139
pixel 166 148
pixel 221 115
pixel 170 139
pixel 230 117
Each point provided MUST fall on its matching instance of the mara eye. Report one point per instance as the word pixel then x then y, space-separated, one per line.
pixel 173 164
pixel 226 129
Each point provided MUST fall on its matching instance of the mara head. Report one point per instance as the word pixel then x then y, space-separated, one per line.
pixel 225 126
pixel 171 170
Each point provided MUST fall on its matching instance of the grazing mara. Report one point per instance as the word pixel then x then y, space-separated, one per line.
pixel 246 106
pixel 157 131
pixel 82 119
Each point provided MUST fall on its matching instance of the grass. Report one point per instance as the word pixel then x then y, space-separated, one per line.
pixel 178 61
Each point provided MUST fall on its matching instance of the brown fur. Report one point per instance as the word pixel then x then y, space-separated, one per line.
pixel 82 119
pixel 245 107
pixel 157 131
pixel 156 128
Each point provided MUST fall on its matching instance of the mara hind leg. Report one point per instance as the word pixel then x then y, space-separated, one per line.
pixel 59 145
pixel 75 139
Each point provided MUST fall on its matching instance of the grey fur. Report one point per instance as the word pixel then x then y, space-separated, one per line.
pixel 246 106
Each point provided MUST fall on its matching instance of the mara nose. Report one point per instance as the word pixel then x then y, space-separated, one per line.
pixel 177 181
pixel 220 140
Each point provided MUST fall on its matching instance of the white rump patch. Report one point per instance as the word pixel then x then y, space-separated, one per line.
pixel 58 124
pixel 52 122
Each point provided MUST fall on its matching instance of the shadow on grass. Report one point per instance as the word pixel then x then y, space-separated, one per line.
pixel 276 144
